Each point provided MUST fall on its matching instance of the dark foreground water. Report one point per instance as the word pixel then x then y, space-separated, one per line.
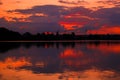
pixel 60 61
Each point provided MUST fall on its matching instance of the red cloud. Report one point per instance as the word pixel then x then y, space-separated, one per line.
pixel 105 30
pixel 72 25
pixel 74 20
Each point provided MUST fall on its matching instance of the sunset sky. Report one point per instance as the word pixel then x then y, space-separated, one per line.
pixel 80 16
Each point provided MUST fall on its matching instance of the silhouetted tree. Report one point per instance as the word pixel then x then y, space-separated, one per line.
pixel 27 36
pixel 57 33
pixel 6 34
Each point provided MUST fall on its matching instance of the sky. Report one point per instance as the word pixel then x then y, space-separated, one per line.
pixel 79 16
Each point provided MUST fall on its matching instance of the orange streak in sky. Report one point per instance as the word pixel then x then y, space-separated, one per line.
pixel 9 16
pixel 72 25
pixel 106 30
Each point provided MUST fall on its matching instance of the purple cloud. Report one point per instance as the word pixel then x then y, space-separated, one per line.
pixel 51 10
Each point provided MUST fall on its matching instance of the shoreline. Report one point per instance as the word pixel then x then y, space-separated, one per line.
pixel 82 41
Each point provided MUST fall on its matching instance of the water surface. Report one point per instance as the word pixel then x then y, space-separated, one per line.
pixel 59 61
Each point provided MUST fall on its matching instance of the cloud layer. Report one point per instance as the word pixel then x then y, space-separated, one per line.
pixel 59 18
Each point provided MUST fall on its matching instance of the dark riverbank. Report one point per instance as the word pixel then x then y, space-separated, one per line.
pixel 8 35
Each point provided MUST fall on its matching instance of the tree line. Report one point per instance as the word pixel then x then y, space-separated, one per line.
pixel 8 35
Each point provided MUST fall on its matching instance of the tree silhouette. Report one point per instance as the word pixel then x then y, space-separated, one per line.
pixel 8 35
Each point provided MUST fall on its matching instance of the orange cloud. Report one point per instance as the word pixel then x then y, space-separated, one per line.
pixel 14 16
pixel 71 25
pixel 73 21
pixel 105 30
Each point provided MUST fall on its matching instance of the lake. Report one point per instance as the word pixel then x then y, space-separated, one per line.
pixel 59 61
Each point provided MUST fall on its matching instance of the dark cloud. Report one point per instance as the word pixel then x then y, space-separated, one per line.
pixel 35 27
pixel 43 19
pixel 80 10
pixel 51 10
pixel 78 2
pixel 94 20
pixel 109 17
pixel 47 18
pixel 51 13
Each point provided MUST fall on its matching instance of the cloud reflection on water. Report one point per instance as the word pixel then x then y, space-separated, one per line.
pixel 60 61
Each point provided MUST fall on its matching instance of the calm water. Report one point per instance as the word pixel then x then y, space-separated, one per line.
pixel 59 61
